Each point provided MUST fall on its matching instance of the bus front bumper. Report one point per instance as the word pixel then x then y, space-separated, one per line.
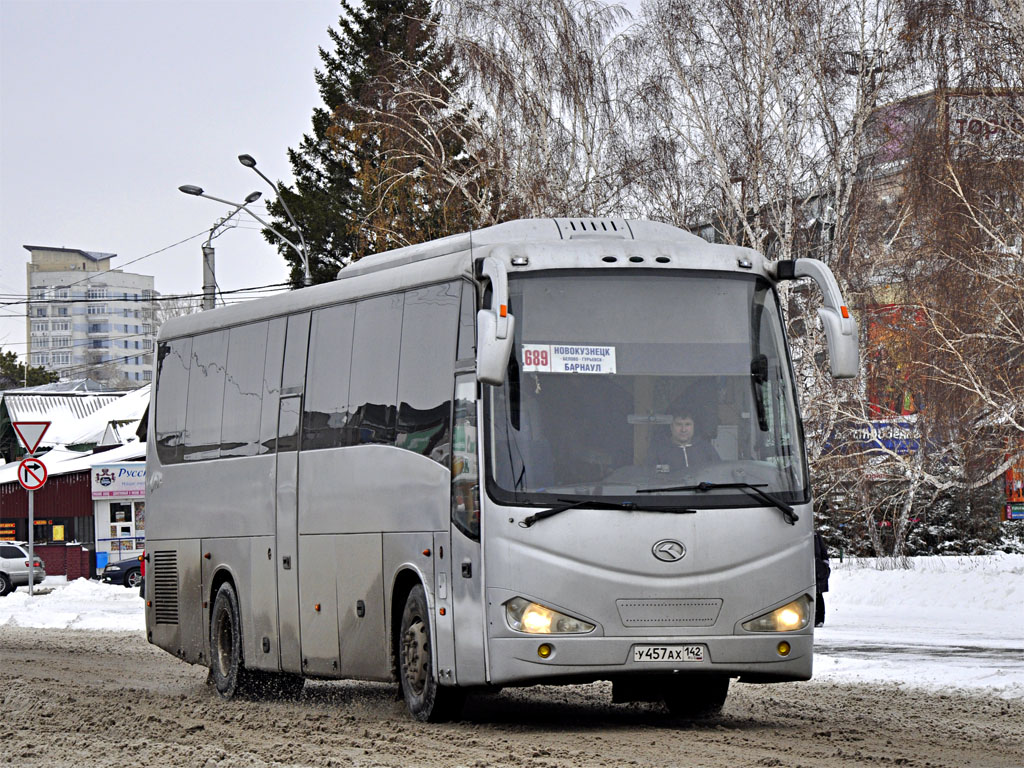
pixel 752 658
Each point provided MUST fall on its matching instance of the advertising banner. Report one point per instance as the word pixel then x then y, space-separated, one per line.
pixel 124 480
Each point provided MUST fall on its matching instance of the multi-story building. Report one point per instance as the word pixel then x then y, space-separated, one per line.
pixel 86 319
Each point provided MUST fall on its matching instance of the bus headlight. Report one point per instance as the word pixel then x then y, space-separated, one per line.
pixel 789 618
pixel 524 616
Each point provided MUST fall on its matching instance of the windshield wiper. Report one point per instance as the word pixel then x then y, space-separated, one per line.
pixel 750 489
pixel 626 506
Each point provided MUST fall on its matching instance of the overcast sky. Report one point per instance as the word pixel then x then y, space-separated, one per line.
pixel 108 106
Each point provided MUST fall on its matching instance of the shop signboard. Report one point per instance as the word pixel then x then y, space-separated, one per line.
pixel 119 481
pixel 1015 511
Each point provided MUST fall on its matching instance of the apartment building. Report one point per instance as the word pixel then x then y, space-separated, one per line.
pixel 86 319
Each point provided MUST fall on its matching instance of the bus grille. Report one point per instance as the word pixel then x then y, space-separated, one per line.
pixel 694 612
pixel 165 587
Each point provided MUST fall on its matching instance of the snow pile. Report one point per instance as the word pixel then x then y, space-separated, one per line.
pixel 80 604
pixel 948 622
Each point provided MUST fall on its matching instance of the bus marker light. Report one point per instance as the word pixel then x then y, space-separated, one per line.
pixel 317 607
pixel 845 311
pixel 441 611
pixel 426 553
pixel 504 310
pixel 544 650
pixel 783 648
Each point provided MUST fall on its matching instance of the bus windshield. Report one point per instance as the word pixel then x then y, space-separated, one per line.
pixel 632 382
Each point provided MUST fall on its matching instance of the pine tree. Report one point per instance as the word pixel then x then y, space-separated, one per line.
pixel 13 373
pixel 361 186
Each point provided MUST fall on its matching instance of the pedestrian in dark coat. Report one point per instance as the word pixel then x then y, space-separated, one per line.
pixel 822 570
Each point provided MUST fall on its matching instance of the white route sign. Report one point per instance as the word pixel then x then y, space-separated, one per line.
pixel 568 358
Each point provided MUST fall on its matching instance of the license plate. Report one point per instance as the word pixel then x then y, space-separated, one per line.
pixel 683 653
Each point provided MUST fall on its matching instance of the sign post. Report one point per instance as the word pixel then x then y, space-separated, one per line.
pixel 32 476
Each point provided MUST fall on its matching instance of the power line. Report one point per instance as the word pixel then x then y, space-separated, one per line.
pixel 22 299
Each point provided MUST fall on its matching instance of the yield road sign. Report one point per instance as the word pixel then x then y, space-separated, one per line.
pixel 30 433
pixel 31 474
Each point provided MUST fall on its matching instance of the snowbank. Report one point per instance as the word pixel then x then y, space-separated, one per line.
pixel 947 622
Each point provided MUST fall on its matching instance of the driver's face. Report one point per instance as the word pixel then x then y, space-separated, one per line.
pixel 682 430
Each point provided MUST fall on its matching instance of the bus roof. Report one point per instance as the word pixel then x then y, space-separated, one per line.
pixel 628 243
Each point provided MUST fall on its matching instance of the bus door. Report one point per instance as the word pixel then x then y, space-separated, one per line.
pixel 466 567
pixel 289 423
pixel 289 414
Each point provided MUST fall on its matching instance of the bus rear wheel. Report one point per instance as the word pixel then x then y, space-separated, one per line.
pixel 426 700
pixel 697 697
pixel 227 667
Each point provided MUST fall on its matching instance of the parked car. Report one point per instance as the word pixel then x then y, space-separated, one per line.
pixel 127 572
pixel 14 567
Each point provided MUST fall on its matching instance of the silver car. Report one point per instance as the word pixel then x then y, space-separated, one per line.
pixel 14 567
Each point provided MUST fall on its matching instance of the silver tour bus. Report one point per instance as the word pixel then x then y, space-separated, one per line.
pixel 550 451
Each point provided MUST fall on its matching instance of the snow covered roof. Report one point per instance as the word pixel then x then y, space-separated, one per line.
pixel 122 415
pixel 62 461
pixel 71 385
pixel 64 410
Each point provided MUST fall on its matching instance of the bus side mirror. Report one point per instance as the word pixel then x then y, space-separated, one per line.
pixel 492 351
pixel 840 327
pixel 495 327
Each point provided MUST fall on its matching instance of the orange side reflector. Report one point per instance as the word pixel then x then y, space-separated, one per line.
pixel 441 611
pixel 845 311
pixel 317 607
pixel 503 311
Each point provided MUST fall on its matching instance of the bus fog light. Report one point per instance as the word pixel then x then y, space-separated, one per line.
pixel 536 619
pixel 789 618
pixel 544 650
pixel 783 648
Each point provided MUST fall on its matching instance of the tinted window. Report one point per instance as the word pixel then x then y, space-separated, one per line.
pixel 205 396
pixel 293 377
pixel 467 322
pixel 325 418
pixel 272 384
pixel 171 397
pixel 294 373
pixel 427 363
pixel 374 379
pixel 11 552
pixel 243 390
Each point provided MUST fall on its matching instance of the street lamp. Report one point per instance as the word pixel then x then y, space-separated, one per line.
pixel 250 162
pixel 209 270
pixel 191 189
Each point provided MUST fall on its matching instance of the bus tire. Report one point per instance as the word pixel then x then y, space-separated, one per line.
pixel 227 667
pixel 427 701
pixel 697 697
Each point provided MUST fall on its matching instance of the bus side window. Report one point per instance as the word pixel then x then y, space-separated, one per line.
pixel 243 390
pixel 271 385
pixel 374 381
pixel 205 396
pixel 465 472
pixel 293 376
pixel 171 397
pixel 467 323
pixel 426 365
pixel 325 413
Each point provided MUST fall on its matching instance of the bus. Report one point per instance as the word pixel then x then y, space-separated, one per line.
pixel 446 468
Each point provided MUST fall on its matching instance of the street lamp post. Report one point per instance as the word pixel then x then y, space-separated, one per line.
pixel 209 271
pixel 250 162
pixel 191 189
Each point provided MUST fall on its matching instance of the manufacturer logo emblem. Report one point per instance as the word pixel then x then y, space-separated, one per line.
pixel 669 550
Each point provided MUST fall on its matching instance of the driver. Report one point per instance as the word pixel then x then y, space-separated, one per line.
pixel 681 448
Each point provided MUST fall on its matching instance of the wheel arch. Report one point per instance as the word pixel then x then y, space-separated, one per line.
pixel 223 575
pixel 405 579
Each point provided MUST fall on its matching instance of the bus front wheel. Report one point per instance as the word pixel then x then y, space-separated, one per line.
pixel 426 700
pixel 697 697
